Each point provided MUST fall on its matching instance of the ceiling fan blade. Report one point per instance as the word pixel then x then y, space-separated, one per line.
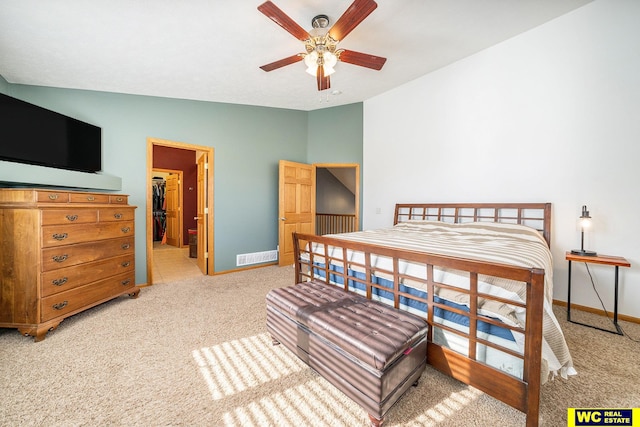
pixel 281 63
pixel 354 15
pixel 362 59
pixel 323 82
pixel 274 13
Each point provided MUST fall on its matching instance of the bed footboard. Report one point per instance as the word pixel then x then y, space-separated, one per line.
pixel 462 339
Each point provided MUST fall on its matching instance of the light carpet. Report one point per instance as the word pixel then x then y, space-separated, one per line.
pixel 196 353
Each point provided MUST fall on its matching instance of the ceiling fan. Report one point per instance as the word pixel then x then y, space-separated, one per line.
pixel 321 44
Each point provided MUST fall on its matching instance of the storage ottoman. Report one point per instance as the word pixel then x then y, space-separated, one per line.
pixel 370 351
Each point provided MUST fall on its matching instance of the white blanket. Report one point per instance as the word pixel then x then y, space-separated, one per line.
pixel 494 242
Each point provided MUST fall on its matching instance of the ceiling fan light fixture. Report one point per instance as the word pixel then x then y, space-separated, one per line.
pixel 313 70
pixel 328 60
pixel 321 43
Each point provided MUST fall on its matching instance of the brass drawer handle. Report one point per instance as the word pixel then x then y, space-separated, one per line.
pixel 125 246
pixel 119 199
pixel 90 198
pixel 60 305
pixel 117 216
pixel 59 282
pixel 72 217
pixel 125 229
pixel 60 258
pixel 126 264
pixel 53 197
pixel 125 282
pixel 60 236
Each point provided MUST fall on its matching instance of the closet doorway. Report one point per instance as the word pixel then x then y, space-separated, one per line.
pixel 167 207
pixel 187 171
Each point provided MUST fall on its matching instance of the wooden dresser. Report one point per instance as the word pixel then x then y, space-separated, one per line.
pixel 62 252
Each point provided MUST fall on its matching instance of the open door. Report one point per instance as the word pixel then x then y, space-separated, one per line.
pixel 203 212
pixel 296 211
pixel 173 215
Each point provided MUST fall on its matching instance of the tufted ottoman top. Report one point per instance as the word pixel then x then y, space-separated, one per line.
pixel 308 296
pixel 373 333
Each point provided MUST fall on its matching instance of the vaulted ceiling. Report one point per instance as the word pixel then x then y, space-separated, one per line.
pixel 211 50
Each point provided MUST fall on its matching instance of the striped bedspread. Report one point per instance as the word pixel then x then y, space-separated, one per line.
pixel 494 242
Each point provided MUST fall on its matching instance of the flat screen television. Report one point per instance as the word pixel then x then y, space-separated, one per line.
pixel 34 135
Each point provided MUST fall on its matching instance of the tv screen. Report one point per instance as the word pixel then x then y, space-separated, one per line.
pixel 34 135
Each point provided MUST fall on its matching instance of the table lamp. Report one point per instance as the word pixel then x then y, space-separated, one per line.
pixel 585 222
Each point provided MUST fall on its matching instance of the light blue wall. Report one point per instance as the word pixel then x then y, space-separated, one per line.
pixel 336 136
pixel 248 142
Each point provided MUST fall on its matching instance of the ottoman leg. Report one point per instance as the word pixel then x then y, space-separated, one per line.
pixel 274 341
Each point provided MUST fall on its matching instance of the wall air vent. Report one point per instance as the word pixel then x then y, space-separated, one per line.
pixel 256 258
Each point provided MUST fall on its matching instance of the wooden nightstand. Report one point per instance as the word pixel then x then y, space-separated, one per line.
pixel 614 261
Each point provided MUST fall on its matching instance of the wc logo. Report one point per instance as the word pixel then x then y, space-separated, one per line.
pixel 603 417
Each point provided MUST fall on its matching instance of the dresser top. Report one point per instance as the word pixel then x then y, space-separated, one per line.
pixel 38 196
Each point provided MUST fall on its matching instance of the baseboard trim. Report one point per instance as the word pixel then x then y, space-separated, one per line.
pixel 597 311
pixel 253 267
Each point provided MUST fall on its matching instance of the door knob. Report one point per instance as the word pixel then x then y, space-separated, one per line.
pixel 197 217
pixel 283 219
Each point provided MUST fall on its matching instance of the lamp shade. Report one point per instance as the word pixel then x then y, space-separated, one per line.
pixel 585 223
pixel 585 213
pixel 330 59
pixel 311 61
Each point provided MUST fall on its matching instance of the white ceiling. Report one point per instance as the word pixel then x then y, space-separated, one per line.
pixel 211 50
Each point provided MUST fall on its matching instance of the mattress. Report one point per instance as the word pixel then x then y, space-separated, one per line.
pixel 491 242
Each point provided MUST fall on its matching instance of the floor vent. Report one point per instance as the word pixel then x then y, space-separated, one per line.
pixel 256 258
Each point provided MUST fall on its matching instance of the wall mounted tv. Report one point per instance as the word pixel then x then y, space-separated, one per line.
pixel 34 135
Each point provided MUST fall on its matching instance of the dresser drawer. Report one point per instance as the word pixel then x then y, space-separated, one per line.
pixel 63 279
pixel 59 235
pixel 116 214
pixel 66 256
pixel 118 199
pixel 52 197
pixel 69 216
pixel 88 198
pixel 82 297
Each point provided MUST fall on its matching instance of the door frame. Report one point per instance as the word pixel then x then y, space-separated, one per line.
pixel 151 142
pixel 355 166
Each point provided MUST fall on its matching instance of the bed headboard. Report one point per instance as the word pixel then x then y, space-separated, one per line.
pixel 534 215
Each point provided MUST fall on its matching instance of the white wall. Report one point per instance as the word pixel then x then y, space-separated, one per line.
pixel 552 115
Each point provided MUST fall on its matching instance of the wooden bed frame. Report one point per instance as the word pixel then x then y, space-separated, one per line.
pixel 520 393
